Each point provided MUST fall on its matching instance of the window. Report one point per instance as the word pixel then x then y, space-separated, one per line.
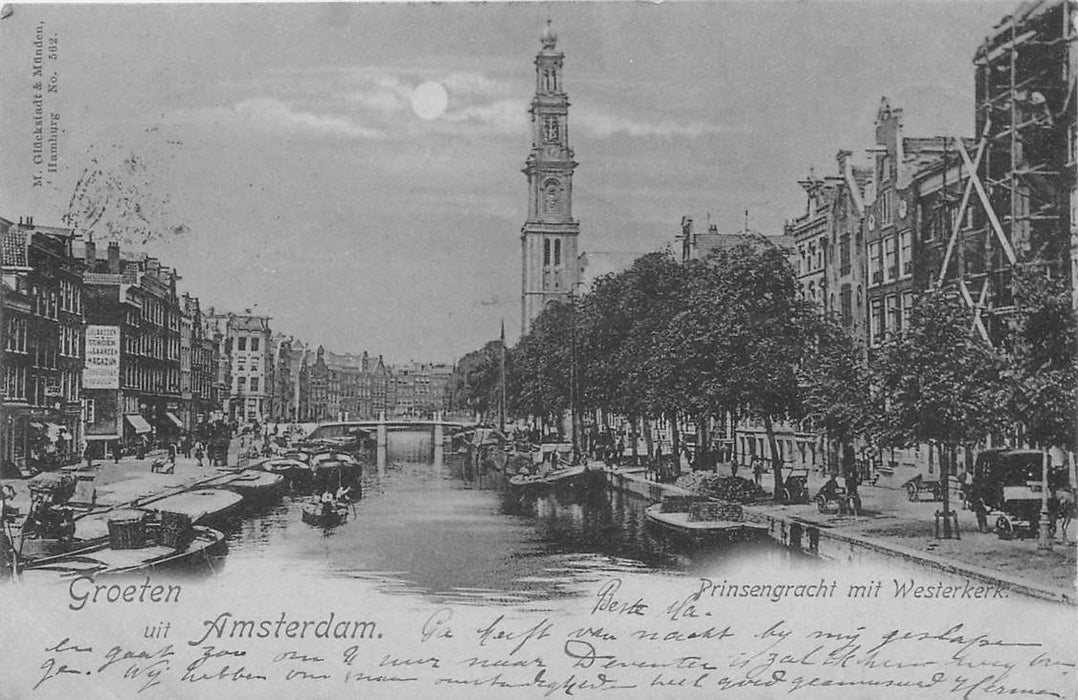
pixel 875 264
pixel 846 296
pixel 254 344
pixel 890 259
pixel 91 413
pixel 254 383
pixel 241 343
pixel 557 251
pixel 886 206
pixel 905 254
pixel 844 254
pixel 875 321
pixel 241 384
pixel 894 315
pixel 546 251
pixel 907 308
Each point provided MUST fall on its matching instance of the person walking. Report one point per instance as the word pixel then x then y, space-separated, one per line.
pixel 116 452
pixel 199 453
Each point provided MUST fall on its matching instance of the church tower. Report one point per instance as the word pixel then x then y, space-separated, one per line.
pixel 548 239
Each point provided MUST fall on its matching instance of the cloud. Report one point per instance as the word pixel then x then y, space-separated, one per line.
pixel 502 116
pixel 600 125
pixel 473 83
pixel 272 113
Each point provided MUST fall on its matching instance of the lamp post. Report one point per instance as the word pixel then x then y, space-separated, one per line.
pixel 1044 541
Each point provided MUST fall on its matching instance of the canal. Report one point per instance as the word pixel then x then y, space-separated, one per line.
pixel 423 530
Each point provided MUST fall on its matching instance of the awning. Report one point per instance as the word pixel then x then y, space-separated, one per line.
pixel 138 423
pixel 172 417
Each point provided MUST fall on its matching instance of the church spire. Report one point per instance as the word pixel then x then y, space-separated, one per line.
pixel 550 269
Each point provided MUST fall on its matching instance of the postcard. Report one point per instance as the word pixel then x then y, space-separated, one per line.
pixel 538 350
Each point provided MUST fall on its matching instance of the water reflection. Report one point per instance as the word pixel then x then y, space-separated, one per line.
pixel 421 530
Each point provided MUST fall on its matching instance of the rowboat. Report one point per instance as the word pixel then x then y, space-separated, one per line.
pixel 313 514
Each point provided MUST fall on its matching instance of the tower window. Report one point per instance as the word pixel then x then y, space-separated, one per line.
pixel 557 251
pixel 546 251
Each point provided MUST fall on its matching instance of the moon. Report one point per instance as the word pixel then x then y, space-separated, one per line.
pixel 429 100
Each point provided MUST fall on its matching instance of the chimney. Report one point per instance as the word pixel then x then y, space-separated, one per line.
pixel 713 228
pixel 114 258
pixel 91 255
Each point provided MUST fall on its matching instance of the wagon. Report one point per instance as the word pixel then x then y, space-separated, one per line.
pixel 917 486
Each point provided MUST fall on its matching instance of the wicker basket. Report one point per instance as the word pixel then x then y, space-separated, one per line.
pixel 176 530
pixel 715 510
pixel 678 504
pixel 127 529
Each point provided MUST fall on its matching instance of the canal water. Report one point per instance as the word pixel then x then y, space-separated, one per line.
pixel 423 530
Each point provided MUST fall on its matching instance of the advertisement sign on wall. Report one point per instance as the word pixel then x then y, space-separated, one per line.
pixel 102 369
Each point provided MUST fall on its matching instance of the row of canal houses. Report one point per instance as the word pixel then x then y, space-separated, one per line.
pixel 101 348
pixel 951 210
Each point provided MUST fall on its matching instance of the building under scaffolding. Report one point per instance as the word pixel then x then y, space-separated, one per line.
pixel 1022 193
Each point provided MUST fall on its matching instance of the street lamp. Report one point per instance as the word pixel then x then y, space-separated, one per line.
pixel 1044 540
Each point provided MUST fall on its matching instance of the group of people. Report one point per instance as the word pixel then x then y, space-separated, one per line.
pixel 333 500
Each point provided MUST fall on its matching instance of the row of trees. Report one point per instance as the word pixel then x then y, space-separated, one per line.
pixel 730 337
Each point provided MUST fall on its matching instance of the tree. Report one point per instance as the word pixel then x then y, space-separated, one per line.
pixel 939 384
pixel 763 336
pixel 475 385
pixel 1042 341
pixel 541 368
pixel 835 383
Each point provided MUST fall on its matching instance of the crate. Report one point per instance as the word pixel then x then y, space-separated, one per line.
pixel 127 529
pixel 714 510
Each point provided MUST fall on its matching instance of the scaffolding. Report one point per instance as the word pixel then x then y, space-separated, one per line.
pixel 1022 172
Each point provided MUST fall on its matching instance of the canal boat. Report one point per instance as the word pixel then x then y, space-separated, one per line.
pixel 203 506
pixel 567 476
pixel 295 472
pixel 255 486
pixel 201 552
pixel 701 520
pixel 335 469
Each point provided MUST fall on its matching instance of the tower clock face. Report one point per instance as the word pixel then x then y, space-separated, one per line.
pixel 551 196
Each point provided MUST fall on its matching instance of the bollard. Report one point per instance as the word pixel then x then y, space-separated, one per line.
pixel 953 517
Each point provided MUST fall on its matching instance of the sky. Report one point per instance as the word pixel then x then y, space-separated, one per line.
pixel 292 167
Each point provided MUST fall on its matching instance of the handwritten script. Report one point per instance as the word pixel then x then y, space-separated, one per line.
pixel 625 642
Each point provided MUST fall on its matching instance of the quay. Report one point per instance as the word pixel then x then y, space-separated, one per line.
pixel 893 529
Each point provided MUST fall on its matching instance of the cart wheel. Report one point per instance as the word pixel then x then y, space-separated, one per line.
pixel 787 498
pixel 1004 528
pixel 799 494
pixel 821 504
pixel 911 492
